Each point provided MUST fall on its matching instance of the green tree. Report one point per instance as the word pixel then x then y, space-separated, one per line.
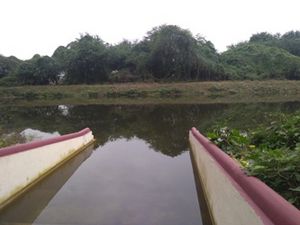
pixel 208 65
pixel 8 65
pixel 290 41
pixel 138 59
pixel 38 71
pixel 172 53
pixel 258 61
pixel 25 73
pixel 62 56
pixel 264 37
pixel 46 70
pixel 119 54
pixel 88 61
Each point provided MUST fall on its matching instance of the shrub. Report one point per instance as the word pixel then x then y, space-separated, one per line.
pixel 173 92
pixel 271 153
pixel 8 81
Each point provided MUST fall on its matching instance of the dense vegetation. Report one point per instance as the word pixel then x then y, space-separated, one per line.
pixel 264 56
pixel 166 53
pixel 272 153
pixel 154 93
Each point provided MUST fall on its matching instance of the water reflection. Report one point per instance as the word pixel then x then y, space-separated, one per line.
pixel 28 207
pixel 125 182
pixel 139 174
pixel 164 127
pixel 64 109
pixel 34 135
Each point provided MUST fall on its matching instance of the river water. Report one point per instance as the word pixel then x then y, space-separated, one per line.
pixel 139 170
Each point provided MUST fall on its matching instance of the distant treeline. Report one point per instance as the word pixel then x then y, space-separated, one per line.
pixel 166 53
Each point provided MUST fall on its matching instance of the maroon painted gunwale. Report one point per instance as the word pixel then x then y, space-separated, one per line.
pixel 268 205
pixel 35 144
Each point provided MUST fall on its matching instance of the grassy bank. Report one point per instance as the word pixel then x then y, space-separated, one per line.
pixel 143 93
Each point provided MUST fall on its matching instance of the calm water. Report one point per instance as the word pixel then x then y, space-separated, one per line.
pixel 139 171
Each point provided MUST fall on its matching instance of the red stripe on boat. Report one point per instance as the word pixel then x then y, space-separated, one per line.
pixel 268 205
pixel 36 144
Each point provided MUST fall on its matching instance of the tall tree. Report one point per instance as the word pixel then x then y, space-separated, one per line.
pixel 172 53
pixel 175 54
pixel 62 56
pixel 264 37
pixel 119 55
pixel 87 61
pixel 46 70
pixel 290 41
pixel 8 65
pixel 38 71
pixel 259 61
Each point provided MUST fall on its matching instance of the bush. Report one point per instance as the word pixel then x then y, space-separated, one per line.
pixel 122 76
pixel 170 92
pixel 92 95
pixel 132 93
pixel 29 95
pixel 8 81
pixel 271 153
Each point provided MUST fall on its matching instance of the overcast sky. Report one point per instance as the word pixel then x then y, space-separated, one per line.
pixel 40 26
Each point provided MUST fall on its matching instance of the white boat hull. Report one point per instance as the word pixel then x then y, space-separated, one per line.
pixel 21 166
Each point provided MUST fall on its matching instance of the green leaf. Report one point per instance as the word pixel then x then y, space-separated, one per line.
pixel 295 189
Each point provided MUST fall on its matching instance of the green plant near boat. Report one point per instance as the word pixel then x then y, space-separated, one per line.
pixel 2 143
pixel 279 168
pixel 11 139
pixel 283 132
pixel 232 141
pixel 271 153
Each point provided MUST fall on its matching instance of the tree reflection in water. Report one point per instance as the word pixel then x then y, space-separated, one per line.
pixel 163 127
